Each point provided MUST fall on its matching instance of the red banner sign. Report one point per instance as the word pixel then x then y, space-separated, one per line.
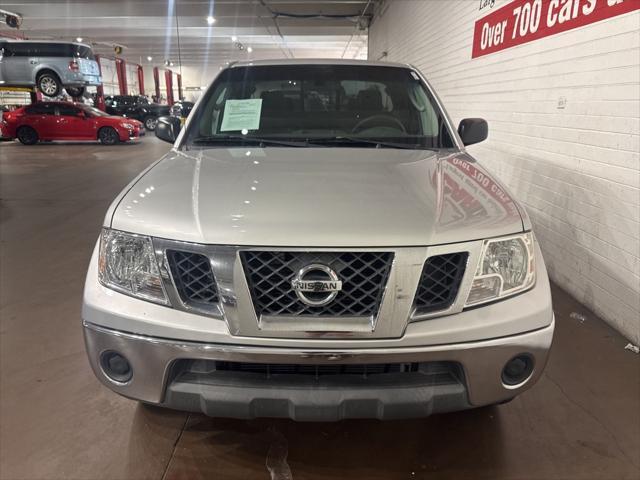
pixel 523 21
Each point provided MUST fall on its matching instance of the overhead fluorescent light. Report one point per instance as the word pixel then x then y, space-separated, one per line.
pixel 211 20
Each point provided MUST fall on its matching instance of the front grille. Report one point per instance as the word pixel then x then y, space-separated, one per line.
pixel 269 369
pixel 193 278
pixel 198 371
pixel 364 276
pixel 440 282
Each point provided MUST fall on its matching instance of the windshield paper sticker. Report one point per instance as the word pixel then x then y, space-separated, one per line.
pixel 241 115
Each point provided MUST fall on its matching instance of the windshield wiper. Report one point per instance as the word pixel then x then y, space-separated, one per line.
pixel 366 142
pixel 240 140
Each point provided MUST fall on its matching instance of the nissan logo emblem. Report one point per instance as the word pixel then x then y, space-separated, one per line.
pixel 316 285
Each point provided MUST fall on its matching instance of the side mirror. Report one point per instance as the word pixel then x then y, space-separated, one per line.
pixel 168 128
pixel 473 130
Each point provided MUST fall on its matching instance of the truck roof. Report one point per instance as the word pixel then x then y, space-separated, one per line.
pixel 316 61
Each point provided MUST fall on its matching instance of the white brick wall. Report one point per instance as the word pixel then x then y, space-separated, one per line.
pixel 576 169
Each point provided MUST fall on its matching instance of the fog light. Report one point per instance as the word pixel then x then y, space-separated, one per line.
pixel 115 366
pixel 517 370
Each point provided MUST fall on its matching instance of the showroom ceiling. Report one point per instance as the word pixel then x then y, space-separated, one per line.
pixel 148 28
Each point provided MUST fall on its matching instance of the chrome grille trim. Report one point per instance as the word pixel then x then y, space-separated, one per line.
pixel 236 309
pixel 440 282
pixel 364 276
pixel 193 278
pixel 172 286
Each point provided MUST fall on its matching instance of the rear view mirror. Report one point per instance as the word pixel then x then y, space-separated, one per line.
pixel 168 128
pixel 473 130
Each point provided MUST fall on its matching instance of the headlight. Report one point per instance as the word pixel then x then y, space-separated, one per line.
pixel 127 125
pixel 506 267
pixel 128 264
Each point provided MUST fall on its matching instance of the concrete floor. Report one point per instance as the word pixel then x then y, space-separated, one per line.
pixel 582 420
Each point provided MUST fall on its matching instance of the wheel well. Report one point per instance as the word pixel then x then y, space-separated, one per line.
pixel 26 126
pixel 47 70
pixel 103 127
pixel 20 127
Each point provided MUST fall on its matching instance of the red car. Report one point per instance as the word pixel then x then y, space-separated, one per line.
pixel 67 121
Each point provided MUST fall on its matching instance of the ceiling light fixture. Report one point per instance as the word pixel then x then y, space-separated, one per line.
pixel 234 38
pixel 149 59
pixel 78 39
pixel 211 20
pixel 249 49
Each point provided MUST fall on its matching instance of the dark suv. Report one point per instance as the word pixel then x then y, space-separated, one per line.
pixel 138 107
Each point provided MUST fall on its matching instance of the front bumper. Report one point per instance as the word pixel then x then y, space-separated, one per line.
pixel 157 380
pixel 127 134
pixel 6 133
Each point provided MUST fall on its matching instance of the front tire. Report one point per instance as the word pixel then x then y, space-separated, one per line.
pixel 49 84
pixel 75 92
pixel 108 136
pixel 27 135
pixel 150 122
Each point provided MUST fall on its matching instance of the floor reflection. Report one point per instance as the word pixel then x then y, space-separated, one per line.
pixel 457 443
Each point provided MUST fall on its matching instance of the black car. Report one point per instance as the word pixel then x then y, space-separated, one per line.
pixel 138 107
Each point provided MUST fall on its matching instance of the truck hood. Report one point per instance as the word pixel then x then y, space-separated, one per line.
pixel 317 197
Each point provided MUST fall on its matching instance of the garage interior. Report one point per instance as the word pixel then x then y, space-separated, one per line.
pixel 564 136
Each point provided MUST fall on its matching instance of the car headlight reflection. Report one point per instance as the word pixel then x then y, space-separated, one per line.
pixel 506 267
pixel 127 263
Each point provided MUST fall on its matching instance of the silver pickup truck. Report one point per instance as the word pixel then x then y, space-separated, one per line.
pixel 318 245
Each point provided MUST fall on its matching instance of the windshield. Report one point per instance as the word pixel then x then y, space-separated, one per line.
pixel 81 51
pixel 328 105
pixel 46 49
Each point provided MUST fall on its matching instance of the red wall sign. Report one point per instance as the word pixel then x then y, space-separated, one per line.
pixel 523 21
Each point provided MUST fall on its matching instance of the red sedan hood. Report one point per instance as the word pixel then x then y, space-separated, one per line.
pixel 116 120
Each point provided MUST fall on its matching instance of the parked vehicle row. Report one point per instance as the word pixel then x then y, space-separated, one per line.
pixel 46 121
pixel 52 66
pixel 138 107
